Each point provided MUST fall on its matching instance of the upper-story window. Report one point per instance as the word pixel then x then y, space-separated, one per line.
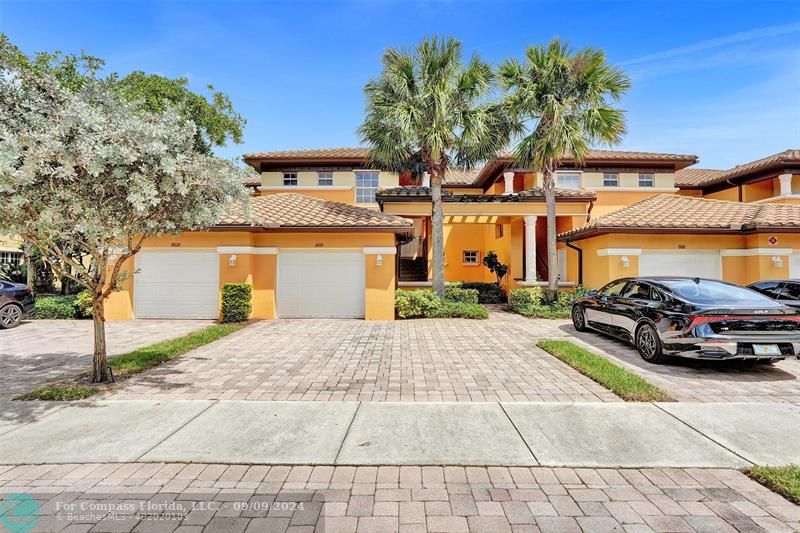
pixel 290 179
pixel 568 180
pixel 366 186
pixel 325 179
pixel 610 180
pixel 647 180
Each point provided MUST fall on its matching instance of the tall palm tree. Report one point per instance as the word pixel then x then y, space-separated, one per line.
pixel 429 106
pixel 562 99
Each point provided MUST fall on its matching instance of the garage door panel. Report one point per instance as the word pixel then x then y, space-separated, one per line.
pixel 176 284
pixel 794 266
pixel 320 284
pixel 692 264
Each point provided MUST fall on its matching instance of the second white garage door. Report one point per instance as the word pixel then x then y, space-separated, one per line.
pixel 176 284
pixel 692 264
pixel 320 284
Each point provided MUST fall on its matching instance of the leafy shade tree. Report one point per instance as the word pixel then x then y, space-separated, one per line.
pixel 88 168
pixel 428 109
pixel 562 99
pixel 215 119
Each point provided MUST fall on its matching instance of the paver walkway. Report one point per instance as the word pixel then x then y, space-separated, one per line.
pixel 40 351
pixel 196 497
pixel 408 360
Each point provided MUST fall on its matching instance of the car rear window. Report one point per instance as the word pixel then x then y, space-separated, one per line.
pixel 707 292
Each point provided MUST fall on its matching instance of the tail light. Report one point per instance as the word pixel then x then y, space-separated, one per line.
pixel 699 320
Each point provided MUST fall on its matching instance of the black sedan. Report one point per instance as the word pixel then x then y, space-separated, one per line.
pixel 691 317
pixel 16 301
pixel 785 291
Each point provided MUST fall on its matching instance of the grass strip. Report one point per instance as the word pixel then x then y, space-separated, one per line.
pixel 785 480
pixel 627 385
pixel 136 361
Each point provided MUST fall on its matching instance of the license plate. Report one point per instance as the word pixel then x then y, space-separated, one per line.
pixel 766 349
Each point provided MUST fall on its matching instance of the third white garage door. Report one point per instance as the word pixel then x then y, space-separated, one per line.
pixel 692 264
pixel 320 284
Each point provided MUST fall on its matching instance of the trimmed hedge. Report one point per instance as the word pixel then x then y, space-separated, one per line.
pixel 457 294
pixel 530 302
pixel 236 302
pixel 83 305
pixel 55 307
pixel 526 296
pixel 427 304
pixel 488 293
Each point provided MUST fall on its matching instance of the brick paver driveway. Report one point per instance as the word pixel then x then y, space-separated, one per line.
pixel 255 499
pixel 41 351
pixel 696 381
pixel 414 360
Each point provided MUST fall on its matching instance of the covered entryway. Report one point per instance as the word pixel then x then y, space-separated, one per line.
pixel 176 284
pixel 321 284
pixel 705 264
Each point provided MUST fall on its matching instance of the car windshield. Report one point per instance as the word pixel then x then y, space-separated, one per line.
pixel 707 292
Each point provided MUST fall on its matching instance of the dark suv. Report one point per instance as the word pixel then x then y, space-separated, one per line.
pixel 786 291
pixel 691 317
pixel 16 301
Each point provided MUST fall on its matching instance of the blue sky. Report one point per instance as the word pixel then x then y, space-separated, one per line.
pixel 717 79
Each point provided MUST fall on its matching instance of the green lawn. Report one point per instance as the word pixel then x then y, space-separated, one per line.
pixel 627 385
pixel 785 480
pixel 137 361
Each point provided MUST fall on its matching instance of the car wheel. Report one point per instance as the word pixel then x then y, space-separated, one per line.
pixel 578 318
pixel 648 343
pixel 10 316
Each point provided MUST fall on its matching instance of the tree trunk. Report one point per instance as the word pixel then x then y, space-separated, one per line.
pixel 552 251
pixel 100 363
pixel 437 219
pixel 30 268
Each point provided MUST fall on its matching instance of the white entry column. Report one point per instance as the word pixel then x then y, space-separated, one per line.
pixel 530 248
pixel 786 184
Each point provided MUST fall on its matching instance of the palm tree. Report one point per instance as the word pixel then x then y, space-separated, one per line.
pixel 429 106
pixel 562 98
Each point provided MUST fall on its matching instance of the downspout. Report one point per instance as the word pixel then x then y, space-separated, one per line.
pixel 729 182
pixel 580 260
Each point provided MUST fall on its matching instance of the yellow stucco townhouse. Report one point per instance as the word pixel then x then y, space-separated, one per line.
pixel 335 237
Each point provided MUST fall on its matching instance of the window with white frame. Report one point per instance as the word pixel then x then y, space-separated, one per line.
pixel 568 180
pixel 610 180
pixel 290 179
pixel 366 186
pixel 14 258
pixel 325 179
pixel 470 257
pixel 647 180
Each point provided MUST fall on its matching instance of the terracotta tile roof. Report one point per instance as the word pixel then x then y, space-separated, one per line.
pixel 460 176
pixel 623 155
pixel 787 157
pixel 686 214
pixel 695 177
pixel 357 152
pixel 292 210
pixel 252 181
pixel 533 194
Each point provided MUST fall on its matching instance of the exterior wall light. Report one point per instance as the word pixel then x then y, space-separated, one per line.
pixel 232 260
pixel 379 260
pixel 777 261
pixel 625 261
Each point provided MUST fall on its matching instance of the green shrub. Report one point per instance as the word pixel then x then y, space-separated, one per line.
pixel 236 302
pixel 457 294
pixel 83 305
pixel 55 307
pixel 543 311
pixel 419 303
pixel 526 297
pixel 452 309
pixel 488 293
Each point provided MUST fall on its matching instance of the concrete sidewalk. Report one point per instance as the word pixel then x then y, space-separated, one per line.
pixel 351 433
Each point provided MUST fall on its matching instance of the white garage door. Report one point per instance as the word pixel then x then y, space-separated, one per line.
pixel 320 284
pixel 794 266
pixel 692 264
pixel 176 284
